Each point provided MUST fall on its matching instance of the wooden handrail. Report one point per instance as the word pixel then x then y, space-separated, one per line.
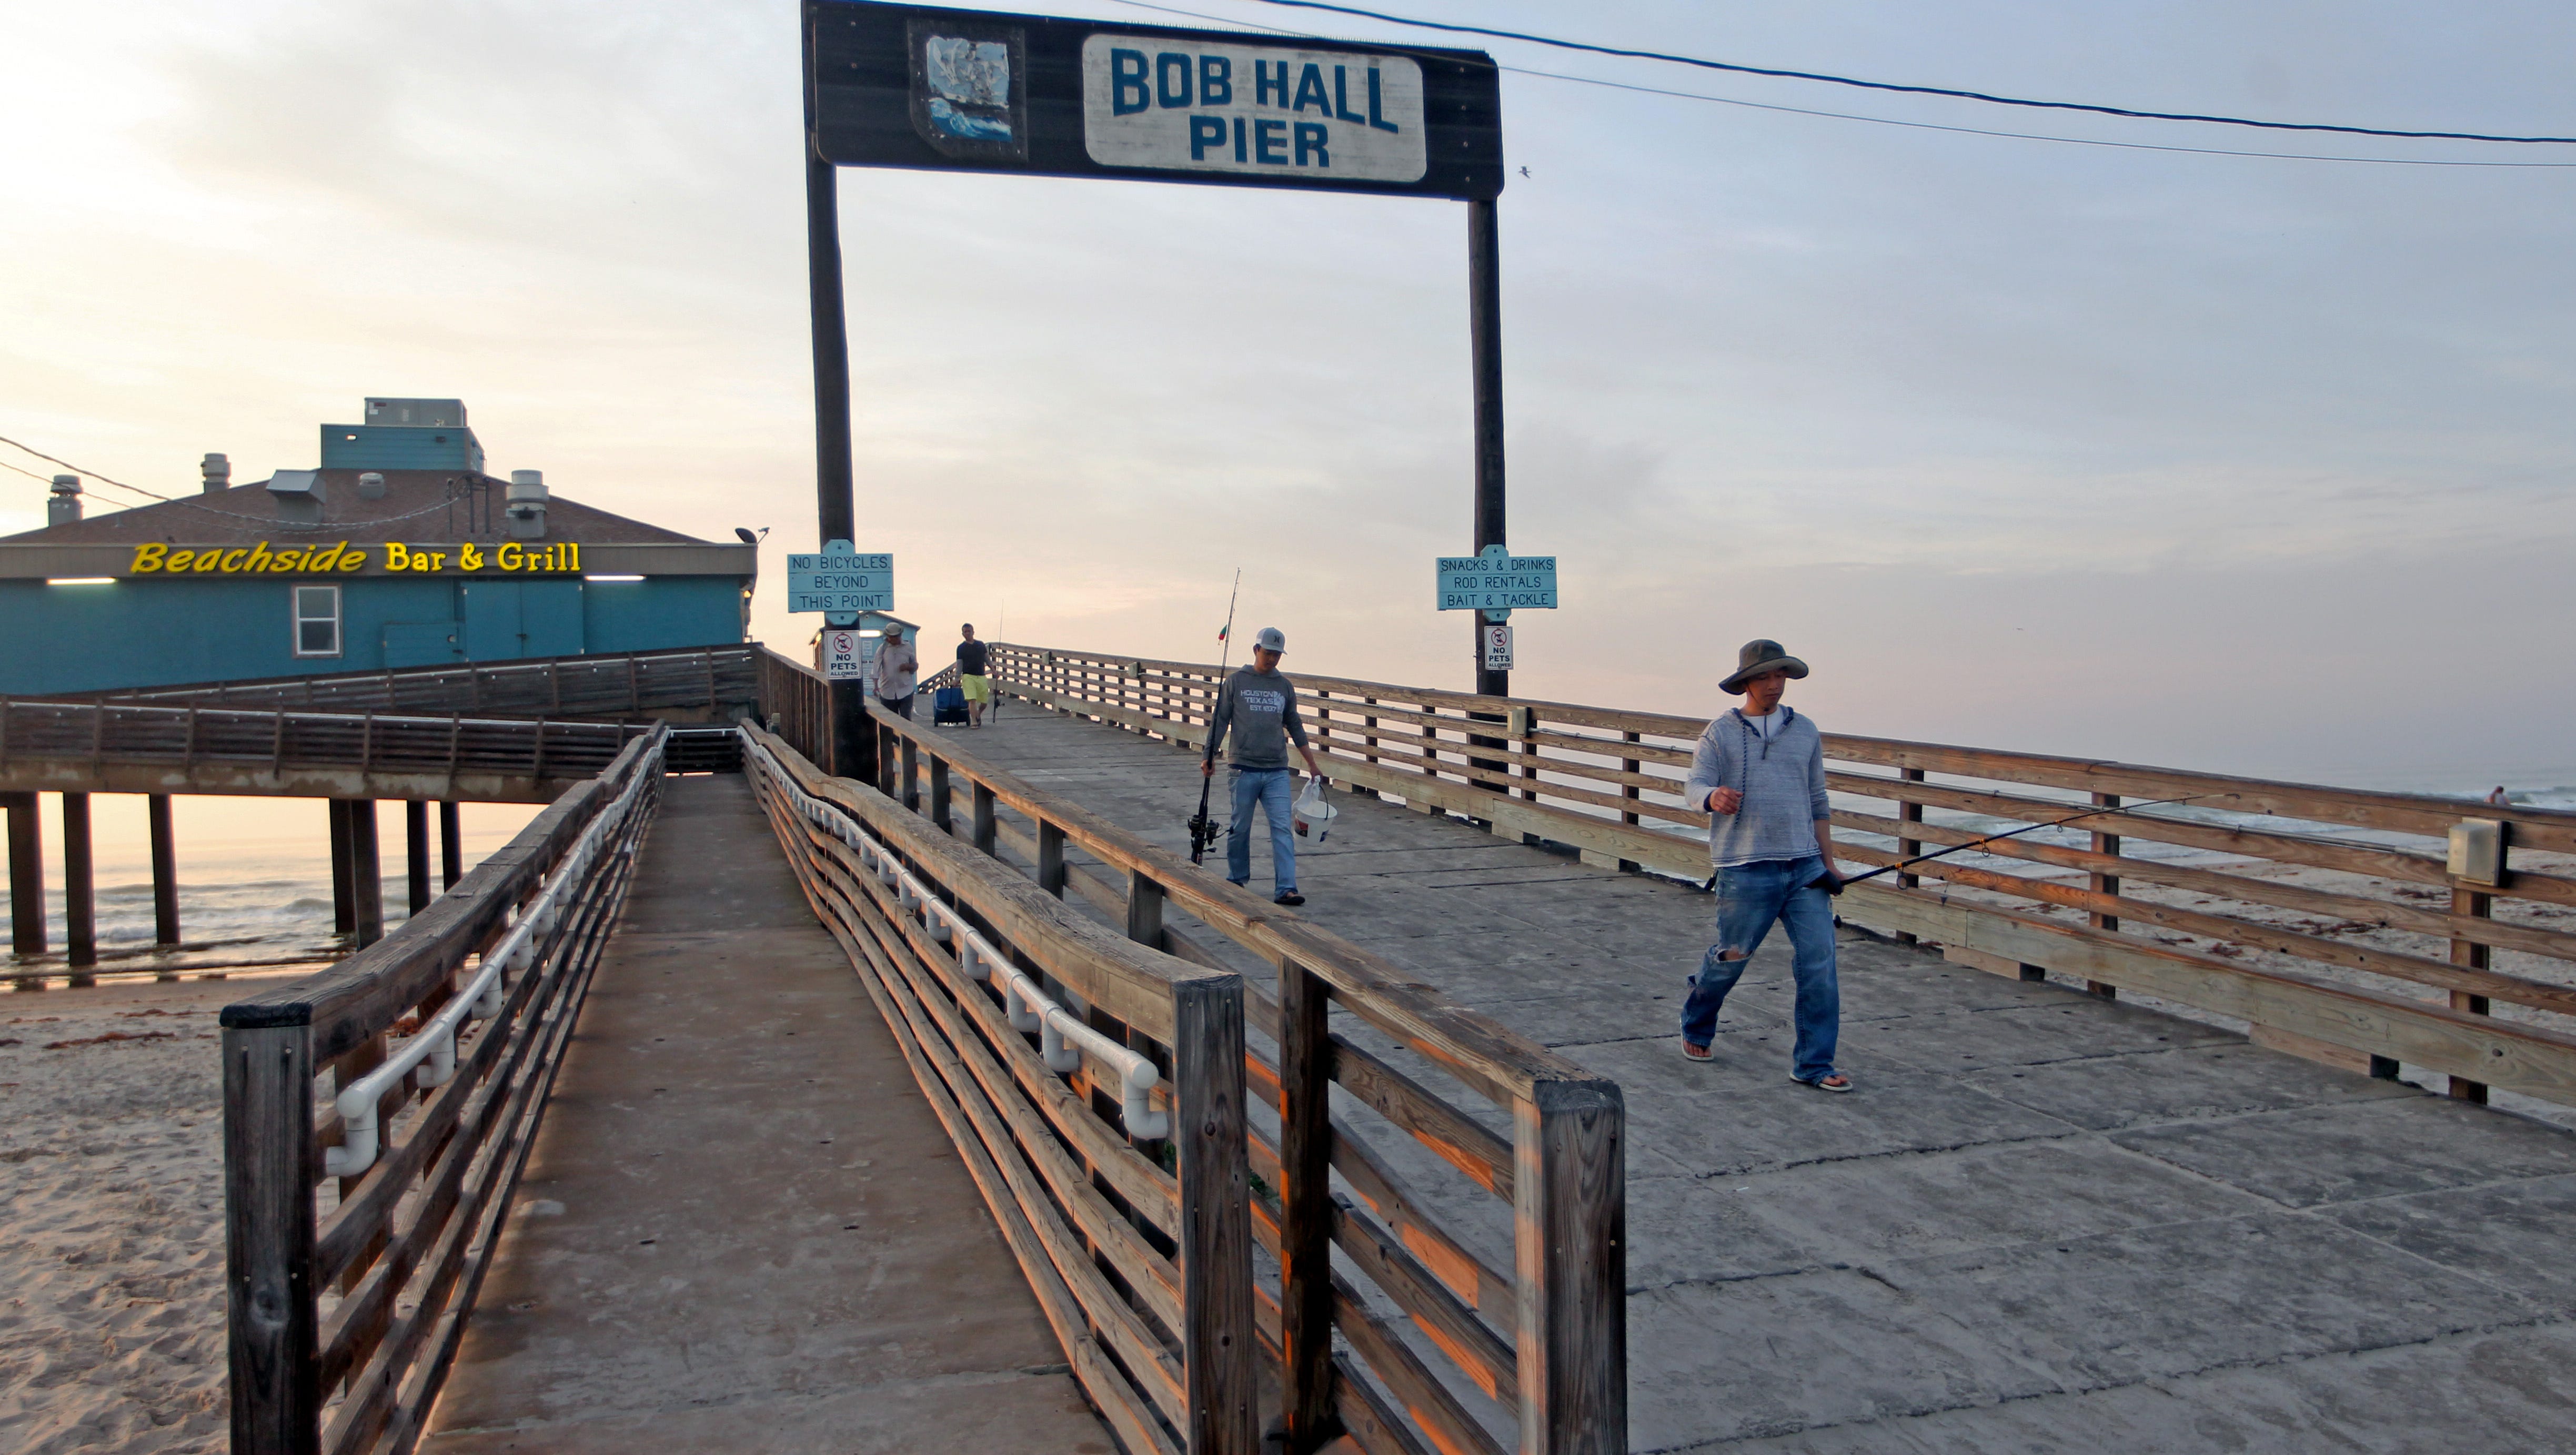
pixel 408 1238
pixel 1007 1110
pixel 1561 1316
pixel 1413 743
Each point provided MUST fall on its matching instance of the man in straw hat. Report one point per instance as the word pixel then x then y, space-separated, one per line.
pixel 1759 772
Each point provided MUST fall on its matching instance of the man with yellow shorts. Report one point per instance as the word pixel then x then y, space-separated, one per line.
pixel 972 658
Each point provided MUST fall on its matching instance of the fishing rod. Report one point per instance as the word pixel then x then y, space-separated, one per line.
pixel 1203 831
pixel 1836 886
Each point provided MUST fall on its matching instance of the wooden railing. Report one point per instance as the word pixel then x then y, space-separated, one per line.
pixel 47 745
pixel 1133 1234
pixel 348 1292
pixel 2327 920
pixel 709 680
pixel 1538 1327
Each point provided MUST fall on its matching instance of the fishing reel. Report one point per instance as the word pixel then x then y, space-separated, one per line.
pixel 1203 831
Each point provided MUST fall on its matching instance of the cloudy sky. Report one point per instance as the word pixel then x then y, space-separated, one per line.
pixel 2218 461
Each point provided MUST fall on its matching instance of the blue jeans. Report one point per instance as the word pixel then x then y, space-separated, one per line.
pixel 1269 788
pixel 1749 898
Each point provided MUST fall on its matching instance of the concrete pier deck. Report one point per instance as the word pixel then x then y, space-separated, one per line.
pixel 2045 1221
pixel 741 1228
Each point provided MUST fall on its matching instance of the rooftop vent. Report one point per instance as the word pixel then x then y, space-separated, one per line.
pixel 298 494
pixel 422 413
pixel 527 507
pixel 218 472
pixel 371 486
pixel 63 506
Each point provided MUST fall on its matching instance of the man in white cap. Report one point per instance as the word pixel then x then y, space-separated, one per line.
pixel 1259 705
pixel 1759 773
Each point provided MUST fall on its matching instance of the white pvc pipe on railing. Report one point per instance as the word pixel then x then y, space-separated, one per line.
pixel 479 998
pixel 1062 1036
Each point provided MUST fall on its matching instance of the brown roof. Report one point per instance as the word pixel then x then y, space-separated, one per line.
pixel 418 505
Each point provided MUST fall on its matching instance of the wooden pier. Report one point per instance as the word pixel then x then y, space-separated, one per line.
pixel 1020 1122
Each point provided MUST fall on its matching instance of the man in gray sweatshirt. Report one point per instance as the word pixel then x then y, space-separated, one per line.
pixel 1259 706
pixel 1759 772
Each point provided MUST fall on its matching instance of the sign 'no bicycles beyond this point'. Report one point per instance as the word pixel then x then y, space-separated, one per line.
pixel 840 582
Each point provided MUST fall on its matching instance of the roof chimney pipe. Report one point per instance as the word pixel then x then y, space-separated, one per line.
pixel 64 505
pixel 218 472
pixel 527 507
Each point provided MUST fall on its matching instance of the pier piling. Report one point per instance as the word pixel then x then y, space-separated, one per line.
pixel 367 873
pixel 416 851
pixel 80 890
pixel 344 894
pixel 165 871
pixel 26 876
pixel 451 849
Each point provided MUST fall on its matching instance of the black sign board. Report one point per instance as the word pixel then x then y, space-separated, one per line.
pixel 915 86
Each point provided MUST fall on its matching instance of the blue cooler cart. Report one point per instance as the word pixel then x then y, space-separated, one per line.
pixel 948 707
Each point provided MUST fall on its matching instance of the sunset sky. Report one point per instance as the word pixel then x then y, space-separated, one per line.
pixel 2216 461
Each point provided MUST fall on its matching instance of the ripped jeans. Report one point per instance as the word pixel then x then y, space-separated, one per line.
pixel 1749 898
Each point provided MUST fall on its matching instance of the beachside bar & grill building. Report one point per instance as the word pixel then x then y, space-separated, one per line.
pixel 397 551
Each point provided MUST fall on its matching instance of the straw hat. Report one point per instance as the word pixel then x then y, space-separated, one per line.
pixel 1759 656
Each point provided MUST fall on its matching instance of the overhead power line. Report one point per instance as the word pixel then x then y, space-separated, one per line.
pixel 2081 141
pixel 77 470
pixel 1911 90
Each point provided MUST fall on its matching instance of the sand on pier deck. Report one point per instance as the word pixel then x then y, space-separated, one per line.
pixel 112 1204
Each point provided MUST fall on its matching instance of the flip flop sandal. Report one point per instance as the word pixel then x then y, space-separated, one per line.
pixel 1834 1082
pixel 1699 1053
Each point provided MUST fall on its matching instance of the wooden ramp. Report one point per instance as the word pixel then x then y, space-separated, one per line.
pixel 741 1228
pixel 2046 1222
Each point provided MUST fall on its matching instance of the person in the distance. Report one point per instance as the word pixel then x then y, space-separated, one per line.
pixel 1259 706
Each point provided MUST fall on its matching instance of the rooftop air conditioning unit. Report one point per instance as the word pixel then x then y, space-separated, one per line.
pixel 417 413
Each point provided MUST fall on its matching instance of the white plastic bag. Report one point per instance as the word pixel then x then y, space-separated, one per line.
pixel 1313 812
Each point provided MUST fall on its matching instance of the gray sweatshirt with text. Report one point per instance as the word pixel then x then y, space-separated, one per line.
pixel 1261 708
pixel 1782 780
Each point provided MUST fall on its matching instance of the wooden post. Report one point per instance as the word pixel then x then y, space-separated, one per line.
pixel 1144 910
pixel 912 775
pixel 988 828
pixel 165 870
pixel 1051 858
pixel 1305 1211
pixel 366 873
pixel 26 875
pixel 80 890
pixel 1908 848
pixel 268 1240
pixel 2475 956
pixel 939 815
pixel 2105 884
pixel 451 849
pixel 416 851
pixel 1570 1256
pixel 344 876
pixel 1220 1385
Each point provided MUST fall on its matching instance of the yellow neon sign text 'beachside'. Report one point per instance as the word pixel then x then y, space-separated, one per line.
pixel 168 560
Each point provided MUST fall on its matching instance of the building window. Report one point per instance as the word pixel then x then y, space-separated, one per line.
pixel 317 621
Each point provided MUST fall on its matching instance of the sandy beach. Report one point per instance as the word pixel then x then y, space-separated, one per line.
pixel 111 1164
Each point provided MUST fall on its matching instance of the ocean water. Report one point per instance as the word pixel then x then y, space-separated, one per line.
pixel 254 883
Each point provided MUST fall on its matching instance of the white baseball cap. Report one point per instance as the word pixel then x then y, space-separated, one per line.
pixel 1270 638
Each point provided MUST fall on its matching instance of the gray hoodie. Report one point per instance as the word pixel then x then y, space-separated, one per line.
pixel 1261 707
pixel 1782 780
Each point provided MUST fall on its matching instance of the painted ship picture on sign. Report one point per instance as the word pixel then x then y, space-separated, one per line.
pixel 968 101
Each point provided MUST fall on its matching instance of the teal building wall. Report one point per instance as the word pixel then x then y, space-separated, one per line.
pixel 141 633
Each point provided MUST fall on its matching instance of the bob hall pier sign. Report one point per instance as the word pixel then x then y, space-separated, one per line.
pixel 392 558
pixel 937 89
